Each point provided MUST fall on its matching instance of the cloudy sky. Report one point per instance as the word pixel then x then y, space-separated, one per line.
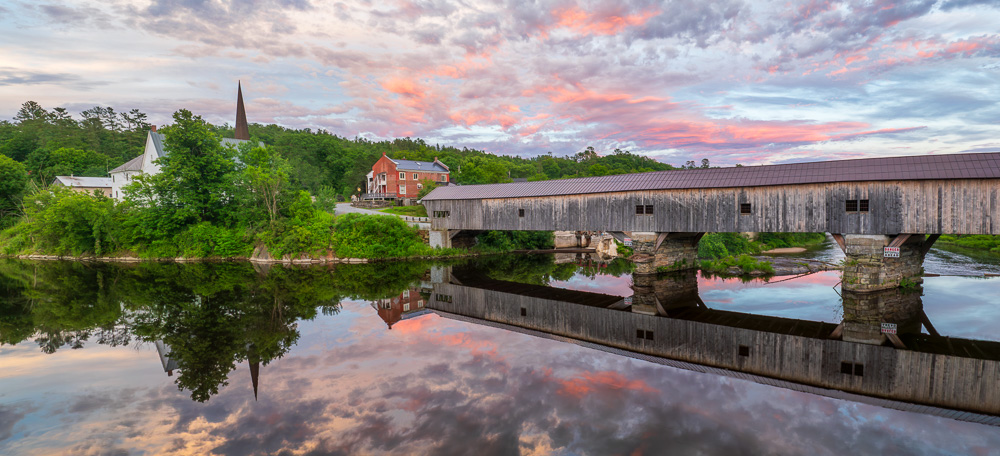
pixel 735 81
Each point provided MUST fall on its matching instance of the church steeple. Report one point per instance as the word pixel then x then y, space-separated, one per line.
pixel 242 128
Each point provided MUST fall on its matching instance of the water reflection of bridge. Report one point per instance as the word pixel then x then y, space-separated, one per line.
pixel 666 322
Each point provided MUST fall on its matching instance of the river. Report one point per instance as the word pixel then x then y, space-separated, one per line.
pixel 502 355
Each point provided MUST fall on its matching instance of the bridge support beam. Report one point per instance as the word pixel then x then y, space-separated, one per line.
pixel 662 252
pixel 866 269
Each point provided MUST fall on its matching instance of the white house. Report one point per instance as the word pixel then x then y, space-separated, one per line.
pixel 85 184
pixel 154 150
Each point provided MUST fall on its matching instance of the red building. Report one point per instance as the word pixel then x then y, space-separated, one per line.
pixel 392 310
pixel 403 178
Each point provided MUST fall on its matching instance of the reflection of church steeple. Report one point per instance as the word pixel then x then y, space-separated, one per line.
pixel 163 350
pixel 254 360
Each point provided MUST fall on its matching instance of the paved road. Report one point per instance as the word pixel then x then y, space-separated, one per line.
pixel 346 208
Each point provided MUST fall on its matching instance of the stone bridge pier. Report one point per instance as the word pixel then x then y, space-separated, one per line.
pixel 660 294
pixel 664 252
pixel 867 267
pixel 864 314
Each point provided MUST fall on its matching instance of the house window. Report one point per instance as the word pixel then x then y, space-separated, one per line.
pixel 406 307
pixel 520 212
pixel 444 178
pixel 112 178
pixel 402 176
pixel 402 189
pixel 414 176
pixel 744 208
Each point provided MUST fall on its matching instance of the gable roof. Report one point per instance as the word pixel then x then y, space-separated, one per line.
pixel 134 164
pixel 159 140
pixel 77 181
pixel 410 165
pixel 950 166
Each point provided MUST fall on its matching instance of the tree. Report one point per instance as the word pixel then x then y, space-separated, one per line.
pixel 265 174
pixel 197 173
pixel 13 178
pixel 704 163
pixel 483 170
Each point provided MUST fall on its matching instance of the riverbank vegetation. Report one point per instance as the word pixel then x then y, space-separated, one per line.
pixel 743 264
pixel 208 201
pixel 721 245
pixel 981 243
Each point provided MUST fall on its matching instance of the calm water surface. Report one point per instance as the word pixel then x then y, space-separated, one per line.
pixel 225 359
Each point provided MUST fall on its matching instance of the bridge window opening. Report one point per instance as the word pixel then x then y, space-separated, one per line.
pixel 862 205
pixel 744 208
pixel 524 312
pixel 744 350
pixel 442 298
pixel 852 205
pixel 857 369
pixel 441 214
pixel 520 212
pixel 643 209
pixel 642 334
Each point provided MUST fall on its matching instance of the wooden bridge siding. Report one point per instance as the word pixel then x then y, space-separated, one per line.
pixel 967 206
pixel 926 378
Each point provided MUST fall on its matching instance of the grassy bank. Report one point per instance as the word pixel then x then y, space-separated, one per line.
pixel 409 211
pixel 980 243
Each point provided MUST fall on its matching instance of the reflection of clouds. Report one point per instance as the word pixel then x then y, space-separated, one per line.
pixel 445 387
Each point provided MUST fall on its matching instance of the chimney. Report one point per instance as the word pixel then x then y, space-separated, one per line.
pixel 152 128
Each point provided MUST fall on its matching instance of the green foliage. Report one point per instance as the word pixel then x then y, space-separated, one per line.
pixel 746 263
pixel 326 198
pixel 63 222
pixel 484 169
pixel 781 240
pixel 66 161
pixel 623 250
pixel 978 242
pixel 197 175
pixel 375 236
pixel 205 240
pixel 505 241
pixel 13 178
pixel 427 187
pixel 718 245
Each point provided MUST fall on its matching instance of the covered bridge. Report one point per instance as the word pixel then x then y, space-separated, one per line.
pixel 867 204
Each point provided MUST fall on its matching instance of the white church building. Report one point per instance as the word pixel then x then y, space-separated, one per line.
pixel 154 150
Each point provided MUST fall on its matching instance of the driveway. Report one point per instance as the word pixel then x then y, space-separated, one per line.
pixel 346 208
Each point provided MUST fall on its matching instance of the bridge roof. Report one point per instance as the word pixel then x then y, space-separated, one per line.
pixel 926 167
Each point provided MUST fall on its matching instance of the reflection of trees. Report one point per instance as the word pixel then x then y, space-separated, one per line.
pixel 212 316
pixel 542 269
